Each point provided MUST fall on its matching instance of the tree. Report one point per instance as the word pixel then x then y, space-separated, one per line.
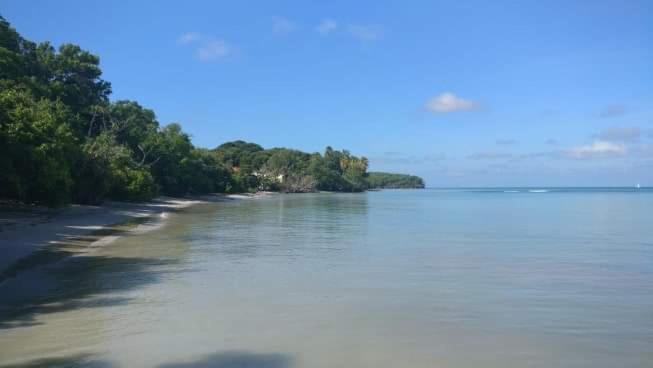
pixel 62 139
pixel 389 180
pixel 36 145
pixel 242 155
pixel 108 170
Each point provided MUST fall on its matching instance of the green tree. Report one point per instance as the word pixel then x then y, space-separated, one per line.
pixel 241 155
pixel 36 145
pixel 108 170
pixel 389 180
pixel 61 138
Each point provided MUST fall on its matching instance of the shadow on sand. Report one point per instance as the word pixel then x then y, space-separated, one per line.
pixel 227 359
pixel 236 359
pixel 85 281
pixel 73 361
pixel 66 245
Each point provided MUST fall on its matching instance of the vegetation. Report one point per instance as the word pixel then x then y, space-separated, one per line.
pixel 387 180
pixel 63 140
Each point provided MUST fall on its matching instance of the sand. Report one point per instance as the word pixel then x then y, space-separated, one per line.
pixel 24 230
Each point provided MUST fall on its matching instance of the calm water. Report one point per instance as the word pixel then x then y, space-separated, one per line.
pixel 431 278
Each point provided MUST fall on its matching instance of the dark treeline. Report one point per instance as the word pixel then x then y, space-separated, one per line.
pixel 387 180
pixel 62 140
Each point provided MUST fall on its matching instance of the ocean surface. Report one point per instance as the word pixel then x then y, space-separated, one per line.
pixel 496 277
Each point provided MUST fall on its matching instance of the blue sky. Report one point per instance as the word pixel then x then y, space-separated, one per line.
pixel 470 93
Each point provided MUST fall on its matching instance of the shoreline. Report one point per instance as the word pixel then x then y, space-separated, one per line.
pixel 26 231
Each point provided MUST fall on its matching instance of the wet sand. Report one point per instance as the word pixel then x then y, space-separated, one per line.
pixel 27 230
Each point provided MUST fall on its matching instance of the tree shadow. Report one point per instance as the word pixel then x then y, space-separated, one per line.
pixel 237 359
pixel 67 244
pixel 69 283
pixel 79 360
pixel 32 228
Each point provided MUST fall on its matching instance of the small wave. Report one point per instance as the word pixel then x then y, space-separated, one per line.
pixel 538 191
pixel 511 191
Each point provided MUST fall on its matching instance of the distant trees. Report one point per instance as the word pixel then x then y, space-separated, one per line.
pixel 388 180
pixel 290 170
pixel 63 140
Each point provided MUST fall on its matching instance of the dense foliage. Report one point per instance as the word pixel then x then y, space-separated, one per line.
pixel 290 170
pixel 62 139
pixel 387 180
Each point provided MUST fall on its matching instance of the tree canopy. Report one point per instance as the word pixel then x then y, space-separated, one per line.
pixel 382 180
pixel 63 140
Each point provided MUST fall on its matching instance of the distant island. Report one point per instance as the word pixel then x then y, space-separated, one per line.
pixel 286 170
pixel 382 180
pixel 63 140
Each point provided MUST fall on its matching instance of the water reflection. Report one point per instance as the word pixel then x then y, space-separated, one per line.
pixel 282 225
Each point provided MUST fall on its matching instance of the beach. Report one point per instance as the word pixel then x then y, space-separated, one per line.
pixel 25 230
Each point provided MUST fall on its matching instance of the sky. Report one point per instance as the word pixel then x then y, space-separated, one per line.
pixel 462 93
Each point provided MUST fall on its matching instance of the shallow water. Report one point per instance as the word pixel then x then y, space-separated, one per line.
pixel 429 278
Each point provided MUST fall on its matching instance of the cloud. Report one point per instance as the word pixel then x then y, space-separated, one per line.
pixel 448 102
pixel 365 33
pixel 612 111
pixel 188 37
pixel 623 135
pixel 489 156
pixel 281 25
pixel 326 26
pixel 207 48
pixel 597 149
pixel 610 143
pixel 506 142
pixel 213 50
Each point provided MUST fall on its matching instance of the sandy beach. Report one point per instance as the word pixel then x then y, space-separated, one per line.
pixel 26 230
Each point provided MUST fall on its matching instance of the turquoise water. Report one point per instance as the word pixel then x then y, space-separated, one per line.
pixel 500 277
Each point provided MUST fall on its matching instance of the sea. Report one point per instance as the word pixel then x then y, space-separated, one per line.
pixel 443 277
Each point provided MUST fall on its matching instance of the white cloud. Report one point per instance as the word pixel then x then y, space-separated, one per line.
pixel 326 26
pixel 189 37
pixel 207 48
pixel 597 149
pixel 448 102
pixel 213 50
pixel 281 25
pixel 365 33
